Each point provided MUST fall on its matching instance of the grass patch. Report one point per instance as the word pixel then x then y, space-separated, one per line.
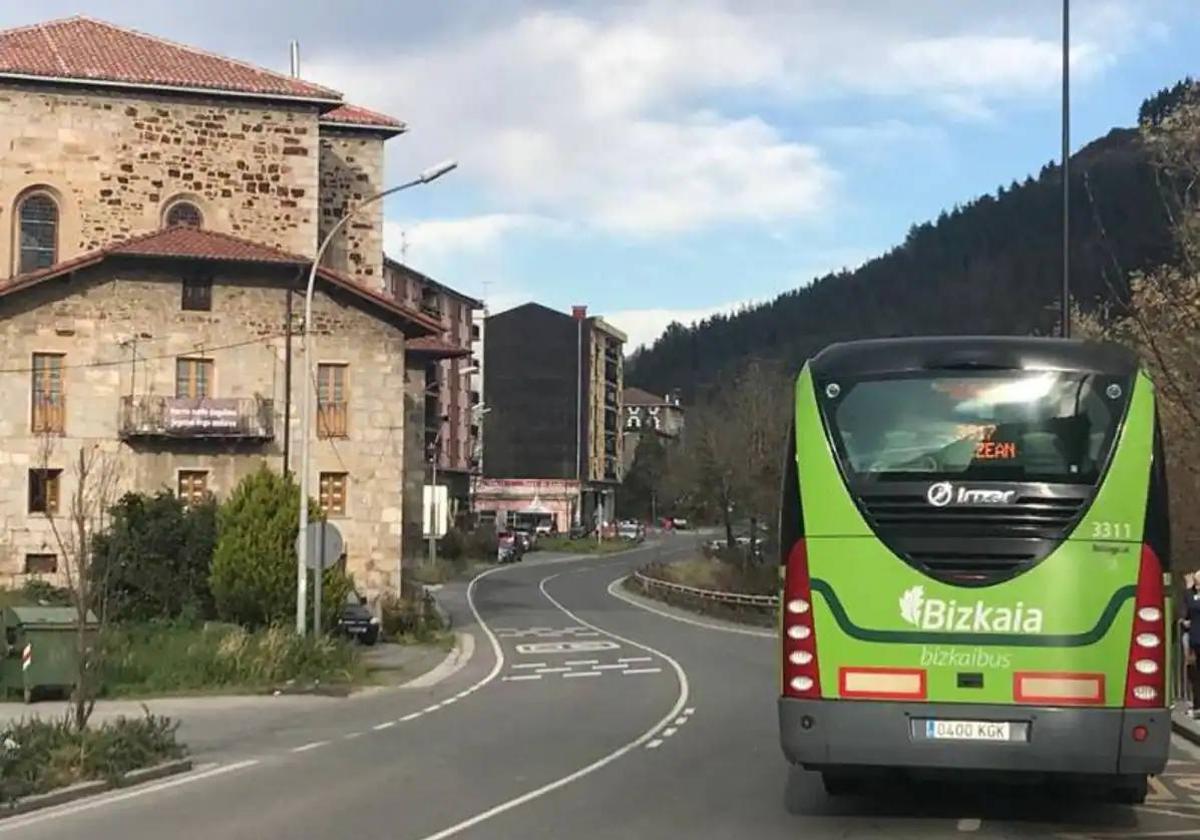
pixel 444 571
pixel 719 574
pixel 583 545
pixel 171 659
pixel 37 756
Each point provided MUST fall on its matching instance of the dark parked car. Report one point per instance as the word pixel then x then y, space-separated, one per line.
pixel 356 621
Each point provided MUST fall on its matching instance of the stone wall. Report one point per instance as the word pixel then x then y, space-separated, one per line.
pixel 106 314
pixel 351 170
pixel 114 162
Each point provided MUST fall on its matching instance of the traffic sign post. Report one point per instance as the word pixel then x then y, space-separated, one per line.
pixel 327 540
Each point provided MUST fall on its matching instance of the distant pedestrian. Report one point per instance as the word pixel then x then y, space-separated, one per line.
pixel 1191 622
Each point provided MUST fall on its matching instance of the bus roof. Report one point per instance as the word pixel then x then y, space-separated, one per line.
pixel 898 355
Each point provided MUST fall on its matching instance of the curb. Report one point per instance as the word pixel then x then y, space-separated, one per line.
pixel 1189 733
pixel 82 790
pixel 452 663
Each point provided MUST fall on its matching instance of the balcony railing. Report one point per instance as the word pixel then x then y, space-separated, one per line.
pixel 250 418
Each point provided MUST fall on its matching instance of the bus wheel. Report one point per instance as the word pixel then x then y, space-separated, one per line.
pixel 1132 791
pixel 840 784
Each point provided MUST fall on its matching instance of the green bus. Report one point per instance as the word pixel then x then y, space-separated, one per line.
pixel 975 556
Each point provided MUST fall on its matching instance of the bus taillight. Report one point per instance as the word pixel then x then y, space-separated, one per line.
pixel 1145 676
pixel 800 675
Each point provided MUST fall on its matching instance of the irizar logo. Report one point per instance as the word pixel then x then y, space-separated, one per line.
pixel 943 493
pixel 953 617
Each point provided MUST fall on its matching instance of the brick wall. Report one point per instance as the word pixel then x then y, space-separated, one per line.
pixel 351 170
pixel 93 320
pixel 114 161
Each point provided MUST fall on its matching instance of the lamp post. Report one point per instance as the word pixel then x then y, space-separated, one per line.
pixel 1066 168
pixel 425 177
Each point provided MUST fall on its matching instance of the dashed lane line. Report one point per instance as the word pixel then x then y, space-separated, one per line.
pixel 655 744
pixel 562 669
pixel 575 674
pixel 413 716
pixel 531 665
pixel 635 659
pixel 574 662
pixel 618 666
pixel 521 677
pixel 379 727
pixel 642 671
pixel 312 745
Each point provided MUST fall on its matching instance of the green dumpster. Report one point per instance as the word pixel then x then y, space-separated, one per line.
pixel 41 649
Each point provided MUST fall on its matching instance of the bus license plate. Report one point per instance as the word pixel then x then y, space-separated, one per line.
pixel 967 730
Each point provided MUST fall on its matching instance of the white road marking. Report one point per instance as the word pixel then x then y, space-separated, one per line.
pixel 655 744
pixel 642 671
pixel 463 694
pixel 669 731
pixel 582 662
pixel 429 709
pixel 379 727
pixel 519 677
pixel 575 674
pixel 610 667
pixel 635 659
pixel 690 710
pixel 742 631
pixel 559 670
pixel 14 823
pixel 567 647
pixel 680 721
pixel 641 740
pixel 413 716
pixel 312 745
pixel 350 736
pixel 532 665
pixel 448 701
pixel 969 824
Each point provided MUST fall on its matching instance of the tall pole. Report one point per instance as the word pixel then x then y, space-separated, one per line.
pixel 578 420
pixel 433 502
pixel 1066 169
pixel 307 379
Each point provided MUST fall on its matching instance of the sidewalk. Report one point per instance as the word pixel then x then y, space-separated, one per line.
pixel 1183 725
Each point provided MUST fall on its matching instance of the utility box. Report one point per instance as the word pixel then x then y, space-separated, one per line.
pixel 41 649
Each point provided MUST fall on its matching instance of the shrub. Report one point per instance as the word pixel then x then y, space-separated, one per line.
pixel 165 658
pixel 40 755
pixel 43 592
pixel 453 544
pixel 481 543
pixel 413 615
pixel 253 575
pixel 155 558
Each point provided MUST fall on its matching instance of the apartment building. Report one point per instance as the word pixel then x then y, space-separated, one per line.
pixel 552 386
pixel 646 413
pixel 158 217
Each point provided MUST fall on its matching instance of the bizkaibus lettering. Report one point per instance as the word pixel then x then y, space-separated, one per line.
pixel 953 617
pixel 937 656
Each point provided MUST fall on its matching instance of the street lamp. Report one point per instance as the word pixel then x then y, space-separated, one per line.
pixel 1066 168
pixel 430 174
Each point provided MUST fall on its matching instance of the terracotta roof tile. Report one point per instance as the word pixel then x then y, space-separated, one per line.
pixel 84 49
pixel 436 347
pixel 358 116
pixel 636 396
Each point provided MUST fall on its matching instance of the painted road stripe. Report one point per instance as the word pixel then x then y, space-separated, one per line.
pixel 449 700
pixel 635 659
pixel 463 694
pixel 610 667
pixel 428 709
pixel 582 674
pixel 413 716
pixel 642 671
pixel 12 823
pixel 559 670
pixel 582 662
pixel 690 710
pixel 379 727
pixel 680 721
pixel 311 746
pixel 669 731
pixel 532 665
pixel 655 744
pixel 350 736
pixel 971 824
pixel 519 677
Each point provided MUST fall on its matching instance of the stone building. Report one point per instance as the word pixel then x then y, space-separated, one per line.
pixel 647 413
pixel 158 205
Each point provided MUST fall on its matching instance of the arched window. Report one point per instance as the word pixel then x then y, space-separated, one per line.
pixel 37 232
pixel 185 214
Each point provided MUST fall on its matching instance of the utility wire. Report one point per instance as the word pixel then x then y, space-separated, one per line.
pixel 125 361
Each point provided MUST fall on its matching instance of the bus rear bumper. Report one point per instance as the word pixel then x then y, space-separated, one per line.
pixel 840 733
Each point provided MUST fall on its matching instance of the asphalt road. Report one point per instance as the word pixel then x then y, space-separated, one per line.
pixel 581 715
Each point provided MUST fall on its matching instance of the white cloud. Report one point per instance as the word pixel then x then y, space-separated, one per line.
pixel 432 239
pixel 649 117
pixel 643 326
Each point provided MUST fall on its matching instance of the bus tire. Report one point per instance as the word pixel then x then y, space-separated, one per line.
pixel 1131 791
pixel 840 784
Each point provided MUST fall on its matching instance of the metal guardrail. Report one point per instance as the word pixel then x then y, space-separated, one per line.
pixel 732 598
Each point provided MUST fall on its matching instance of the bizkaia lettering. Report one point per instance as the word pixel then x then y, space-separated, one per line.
pixel 937 656
pixel 952 617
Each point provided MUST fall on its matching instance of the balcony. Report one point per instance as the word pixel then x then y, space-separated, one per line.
pixel 250 418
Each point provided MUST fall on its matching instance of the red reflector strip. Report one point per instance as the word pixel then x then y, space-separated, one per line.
pixel 882 683
pixel 1058 688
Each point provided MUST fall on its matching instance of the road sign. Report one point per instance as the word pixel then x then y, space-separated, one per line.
pixel 325 545
pixel 436 511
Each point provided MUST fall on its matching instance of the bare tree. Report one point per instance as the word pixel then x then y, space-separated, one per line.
pixel 1162 318
pixel 93 474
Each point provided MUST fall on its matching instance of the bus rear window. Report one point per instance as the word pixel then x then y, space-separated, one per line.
pixel 995 426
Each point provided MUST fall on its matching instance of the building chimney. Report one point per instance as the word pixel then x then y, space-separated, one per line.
pixel 579 313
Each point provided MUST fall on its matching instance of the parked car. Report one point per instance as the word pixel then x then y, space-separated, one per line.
pixel 679 523
pixel 631 530
pixel 544 529
pixel 508 547
pixel 356 621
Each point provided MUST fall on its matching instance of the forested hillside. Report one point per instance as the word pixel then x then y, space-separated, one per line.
pixel 992 266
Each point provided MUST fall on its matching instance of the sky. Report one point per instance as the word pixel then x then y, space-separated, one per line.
pixel 662 161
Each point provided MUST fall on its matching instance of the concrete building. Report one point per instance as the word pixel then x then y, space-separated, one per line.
pixel 552 386
pixel 442 404
pixel 158 206
pixel 647 413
